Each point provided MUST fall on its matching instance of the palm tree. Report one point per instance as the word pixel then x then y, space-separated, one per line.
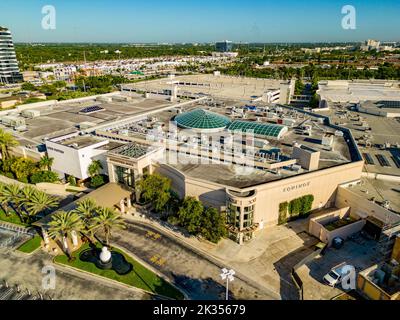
pixel 25 194
pixel 46 162
pixel 13 193
pixel 94 168
pixel 7 141
pixel 4 198
pixel 38 202
pixel 108 219
pixel 64 224
pixel 86 209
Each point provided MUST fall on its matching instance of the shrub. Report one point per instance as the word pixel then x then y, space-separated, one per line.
pixel 306 205
pixel 283 208
pixel 8 175
pixel 44 176
pixel 96 181
pixel 300 207
pixel 23 179
pixel 173 220
pixel 72 181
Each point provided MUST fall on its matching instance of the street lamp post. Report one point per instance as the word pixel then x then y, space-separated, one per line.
pixel 228 276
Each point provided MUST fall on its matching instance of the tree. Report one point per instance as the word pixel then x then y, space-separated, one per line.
pixel 212 225
pixel 22 168
pixel 46 162
pixel 43 176
pixel 86 209
pixel 38 202
pixel 108 219
pixel 25 194
pixel 7 141
pixel 156 189
pixel 28 87
pixel 96 181
pixel 4 198
pixel 95 168
pixel 13 193
pixel 189 214
pixel 63 225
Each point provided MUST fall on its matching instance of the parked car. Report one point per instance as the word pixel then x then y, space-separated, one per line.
pixel 333 277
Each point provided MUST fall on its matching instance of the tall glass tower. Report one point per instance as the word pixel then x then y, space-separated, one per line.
pixel 9 71
pixel 224 46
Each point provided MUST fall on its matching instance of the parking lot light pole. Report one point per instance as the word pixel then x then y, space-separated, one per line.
pixel 228 276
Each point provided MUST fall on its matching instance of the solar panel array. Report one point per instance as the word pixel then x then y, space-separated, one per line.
pixel 383 161
pixel 368 159
pixel 262 129
pixel 389 104
pixel 91 109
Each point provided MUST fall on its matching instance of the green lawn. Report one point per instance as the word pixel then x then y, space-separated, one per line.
pixel 139 277
pixel 31 245
pixel 11 218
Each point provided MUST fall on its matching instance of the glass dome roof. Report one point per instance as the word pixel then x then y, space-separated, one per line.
pixel 257 128
pixel 202 120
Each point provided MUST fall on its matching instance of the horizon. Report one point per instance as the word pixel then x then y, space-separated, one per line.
pixel 255 21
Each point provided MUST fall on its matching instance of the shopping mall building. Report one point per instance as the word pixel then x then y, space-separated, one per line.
pixel 250 195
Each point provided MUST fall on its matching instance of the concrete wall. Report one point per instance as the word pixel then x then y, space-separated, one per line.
pixel 317 229
pixel 396 249
pixel 363 207
pixel 371 290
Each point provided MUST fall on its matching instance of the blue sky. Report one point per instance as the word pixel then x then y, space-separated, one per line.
pixel 200 21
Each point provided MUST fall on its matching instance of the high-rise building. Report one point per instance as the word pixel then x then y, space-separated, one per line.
pixel 224 46
pixel 9 71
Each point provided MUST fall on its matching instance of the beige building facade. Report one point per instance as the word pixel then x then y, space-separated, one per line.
pixel 253 208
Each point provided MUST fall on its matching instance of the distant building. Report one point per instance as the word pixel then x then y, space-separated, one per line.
pixel 9 71
pixel 224 46
pixel 64 73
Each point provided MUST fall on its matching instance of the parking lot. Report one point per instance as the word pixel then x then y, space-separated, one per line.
pixel 360 253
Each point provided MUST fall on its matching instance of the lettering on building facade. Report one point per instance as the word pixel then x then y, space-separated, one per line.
pixel 297 186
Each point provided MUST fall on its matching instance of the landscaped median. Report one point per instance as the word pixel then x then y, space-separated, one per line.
pixel 140 277
pixel 31 245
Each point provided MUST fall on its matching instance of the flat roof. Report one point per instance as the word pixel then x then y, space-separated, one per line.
pixel 65 118
pixel 380 190
pixel 218 86
pixel 80 142
pixel 357 90
pixel 228 174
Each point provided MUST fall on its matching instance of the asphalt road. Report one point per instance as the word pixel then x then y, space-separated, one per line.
pixel 197 275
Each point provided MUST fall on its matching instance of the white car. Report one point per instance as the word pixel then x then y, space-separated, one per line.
pixel 335 275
